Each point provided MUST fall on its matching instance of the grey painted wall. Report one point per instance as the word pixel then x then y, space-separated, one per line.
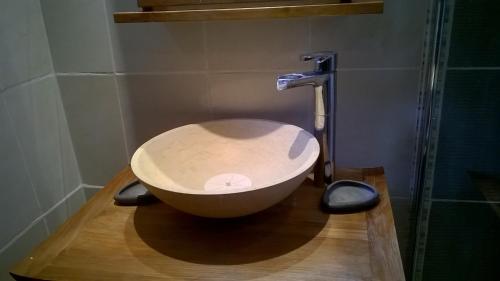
pixel 40 184
pixel 122 84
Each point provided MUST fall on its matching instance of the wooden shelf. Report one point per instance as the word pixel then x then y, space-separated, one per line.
pixel 206 10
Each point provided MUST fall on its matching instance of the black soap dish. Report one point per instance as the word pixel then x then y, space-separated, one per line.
pixel 348 196
pixel 134 194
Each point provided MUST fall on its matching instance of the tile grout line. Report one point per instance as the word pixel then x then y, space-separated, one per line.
pixel 465 201
pixel 402 68
pixel 27 82
pixel 84 73
pixel 400 198
pixel 51 57
pixel 222 71
pixel 84 185
pixel 208 90
pixel 59 103
pixel 63 115
pixel 41 217
pixel 205 46
pixel 309 34
pixel 122 118
pixel 115 81
pixel 475 68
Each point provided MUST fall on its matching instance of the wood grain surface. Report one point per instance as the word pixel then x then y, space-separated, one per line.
pixel 293 240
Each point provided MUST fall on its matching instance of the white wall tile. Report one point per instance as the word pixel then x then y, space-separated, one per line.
pixel 35 109
pixel 153 104
pixel 376 121
pixel 18 197
pixel 24 49
pixel 76 201
pixel 391 39
pixel 70 168
pixel 65 210
pixel 20 248
pixel 57 217
pixel 254 95
pixel 93 114
pixel 257 44
pixel 78 35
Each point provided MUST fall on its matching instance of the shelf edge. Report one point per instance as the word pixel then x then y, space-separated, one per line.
pixel 375 7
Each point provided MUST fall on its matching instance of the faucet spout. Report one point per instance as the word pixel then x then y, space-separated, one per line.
pixel 293 80
pixel 323 80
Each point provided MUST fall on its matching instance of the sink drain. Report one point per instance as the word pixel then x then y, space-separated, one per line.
pixel 227 181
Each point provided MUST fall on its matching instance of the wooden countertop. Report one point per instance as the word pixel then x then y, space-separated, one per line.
pixel 293 240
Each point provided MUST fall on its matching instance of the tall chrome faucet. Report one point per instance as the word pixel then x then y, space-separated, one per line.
pixel 323 79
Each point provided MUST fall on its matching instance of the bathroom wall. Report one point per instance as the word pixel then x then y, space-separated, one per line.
pixel 121 84
pixel 40 184
pixel 461 241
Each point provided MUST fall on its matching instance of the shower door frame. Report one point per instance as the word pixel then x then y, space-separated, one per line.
pixel 432 80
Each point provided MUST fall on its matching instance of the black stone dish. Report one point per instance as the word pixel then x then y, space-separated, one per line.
pixel 347 196
pixel 134 194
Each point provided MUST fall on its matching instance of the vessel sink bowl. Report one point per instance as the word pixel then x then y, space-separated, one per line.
pixel 226 168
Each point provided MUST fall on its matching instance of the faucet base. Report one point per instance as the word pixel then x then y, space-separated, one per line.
pixel 328 174
pixel 323 170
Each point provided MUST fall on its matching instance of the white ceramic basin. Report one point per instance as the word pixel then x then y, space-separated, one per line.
pixel 226 168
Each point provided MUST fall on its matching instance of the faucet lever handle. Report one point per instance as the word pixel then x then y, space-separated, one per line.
pixel 320 57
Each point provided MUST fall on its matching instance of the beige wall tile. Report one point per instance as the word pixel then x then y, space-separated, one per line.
pixel 153 104
pixel 376 123
pixel 93 113
pixel 391 39
pixel 254 95
pixel 258 44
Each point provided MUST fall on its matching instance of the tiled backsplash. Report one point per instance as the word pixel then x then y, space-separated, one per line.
pixel 36 111
pixel 170 74
pixel 24 49
pixel 38 167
